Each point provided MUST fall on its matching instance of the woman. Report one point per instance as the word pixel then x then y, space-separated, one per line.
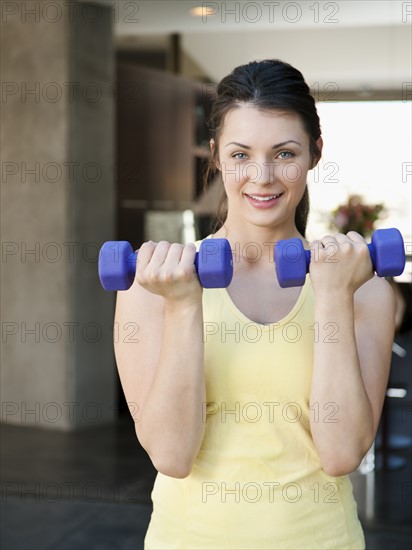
pixel 255 402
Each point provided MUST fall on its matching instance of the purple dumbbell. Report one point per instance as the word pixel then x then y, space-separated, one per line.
pixel 213 262
pixel 387 252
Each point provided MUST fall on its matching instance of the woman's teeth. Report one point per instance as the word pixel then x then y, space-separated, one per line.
pixel 269 198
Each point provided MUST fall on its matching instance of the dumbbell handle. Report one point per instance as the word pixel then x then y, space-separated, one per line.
pixel 372 253
pixel 130 266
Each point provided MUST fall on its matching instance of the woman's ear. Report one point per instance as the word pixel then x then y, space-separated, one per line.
pixel 213 149
pixel 212 145
pixel 319 143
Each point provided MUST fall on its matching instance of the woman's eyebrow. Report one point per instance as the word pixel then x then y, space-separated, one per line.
pixel 273 146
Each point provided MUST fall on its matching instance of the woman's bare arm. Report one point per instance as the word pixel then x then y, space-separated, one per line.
pixel 162 374
pixel 350 371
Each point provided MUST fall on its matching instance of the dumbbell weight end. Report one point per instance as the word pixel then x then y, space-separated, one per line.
pixel 117 265
pixel 387 252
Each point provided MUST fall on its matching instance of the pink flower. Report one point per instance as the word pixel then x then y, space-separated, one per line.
pixel 341 220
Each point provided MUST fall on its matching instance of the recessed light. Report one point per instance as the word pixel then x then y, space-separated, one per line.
pixel 202 11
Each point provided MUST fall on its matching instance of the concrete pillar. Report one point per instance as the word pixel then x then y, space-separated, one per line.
pixel 57 208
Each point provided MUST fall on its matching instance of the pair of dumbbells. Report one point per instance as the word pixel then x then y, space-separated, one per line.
pixel 214 262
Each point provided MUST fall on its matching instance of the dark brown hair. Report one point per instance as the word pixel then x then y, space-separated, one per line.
pixel 268 84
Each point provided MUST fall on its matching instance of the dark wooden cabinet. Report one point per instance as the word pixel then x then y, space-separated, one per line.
pixel 162 144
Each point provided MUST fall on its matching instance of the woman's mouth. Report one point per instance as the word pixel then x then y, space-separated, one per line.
pixel 264 201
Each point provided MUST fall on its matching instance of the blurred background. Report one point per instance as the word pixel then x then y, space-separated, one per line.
pixel 104 137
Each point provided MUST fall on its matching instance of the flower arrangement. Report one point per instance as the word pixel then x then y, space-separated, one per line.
pixel 356 216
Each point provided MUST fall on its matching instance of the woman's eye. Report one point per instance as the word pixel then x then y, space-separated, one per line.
pixel 282 155
pixel 286 154
pixel 235 155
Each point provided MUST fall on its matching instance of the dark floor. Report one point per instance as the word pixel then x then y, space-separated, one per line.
pixel 91 490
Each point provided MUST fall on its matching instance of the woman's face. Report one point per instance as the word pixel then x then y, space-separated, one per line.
pixel 264 159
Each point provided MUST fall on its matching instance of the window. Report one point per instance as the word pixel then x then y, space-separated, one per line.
pixel 367 151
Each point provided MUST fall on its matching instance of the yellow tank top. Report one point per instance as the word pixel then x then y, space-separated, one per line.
pixel 257 482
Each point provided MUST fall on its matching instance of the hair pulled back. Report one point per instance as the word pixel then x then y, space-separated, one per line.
pixel 267 85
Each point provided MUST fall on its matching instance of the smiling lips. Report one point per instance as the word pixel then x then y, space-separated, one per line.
pixel 263 201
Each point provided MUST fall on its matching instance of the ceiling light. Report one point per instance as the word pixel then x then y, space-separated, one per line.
pixel 202 11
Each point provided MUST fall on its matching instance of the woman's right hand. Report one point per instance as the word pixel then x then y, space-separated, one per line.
pixel 168 270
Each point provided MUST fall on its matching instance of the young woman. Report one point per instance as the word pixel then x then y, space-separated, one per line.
pixel 255 402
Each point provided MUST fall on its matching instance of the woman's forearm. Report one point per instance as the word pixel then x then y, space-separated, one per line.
pixel 171 421
pixel 343 439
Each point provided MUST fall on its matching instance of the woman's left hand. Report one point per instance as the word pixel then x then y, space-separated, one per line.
pixel 340 263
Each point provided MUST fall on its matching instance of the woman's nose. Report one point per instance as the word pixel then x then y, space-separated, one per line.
pixel 261 173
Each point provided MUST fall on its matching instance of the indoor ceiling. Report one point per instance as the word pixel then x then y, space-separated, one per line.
pixel 354 45
pixel 170 16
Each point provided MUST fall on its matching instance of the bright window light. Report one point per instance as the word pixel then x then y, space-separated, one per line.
pixel 367 151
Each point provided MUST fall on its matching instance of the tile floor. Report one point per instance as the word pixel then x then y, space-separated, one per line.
pixel 91 490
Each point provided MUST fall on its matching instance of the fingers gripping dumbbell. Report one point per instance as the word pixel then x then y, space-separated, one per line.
pixel 386 250
pixel 213 263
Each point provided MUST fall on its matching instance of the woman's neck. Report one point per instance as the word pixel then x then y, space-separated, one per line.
pixel 252 246
pixel 250 243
